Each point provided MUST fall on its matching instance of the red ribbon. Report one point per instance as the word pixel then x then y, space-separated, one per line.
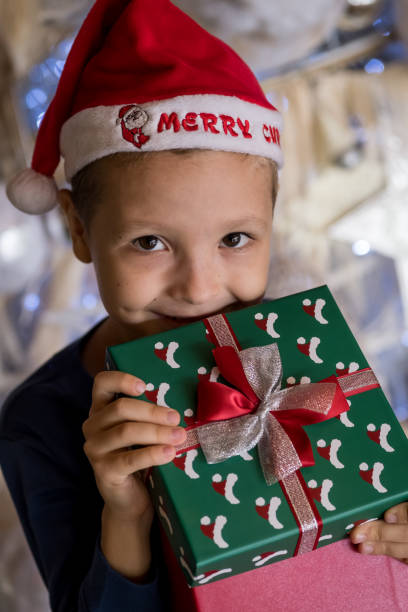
pixel 218 402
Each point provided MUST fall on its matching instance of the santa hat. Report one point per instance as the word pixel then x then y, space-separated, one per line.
pixel 143 76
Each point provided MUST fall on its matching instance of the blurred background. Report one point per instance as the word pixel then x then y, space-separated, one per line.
pixel 338 73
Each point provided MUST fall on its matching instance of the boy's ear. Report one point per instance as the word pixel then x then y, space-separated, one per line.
pixel 76 227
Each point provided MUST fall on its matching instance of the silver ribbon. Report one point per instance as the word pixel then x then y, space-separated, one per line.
pixel 221 440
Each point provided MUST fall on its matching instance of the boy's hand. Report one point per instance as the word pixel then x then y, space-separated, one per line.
pixel 113 426
pixel 387 537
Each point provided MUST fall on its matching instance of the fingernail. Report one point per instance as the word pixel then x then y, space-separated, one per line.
pixel 359 537
pixel 391 518
pixel 177 434
pixel 168 451
pixel 173 417
pixel 367 548
pixel 140 388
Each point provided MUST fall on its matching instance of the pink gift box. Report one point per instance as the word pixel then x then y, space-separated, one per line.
pixel 335 578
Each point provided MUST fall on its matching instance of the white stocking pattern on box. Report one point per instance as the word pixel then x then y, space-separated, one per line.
pixel 207 576
pixel 214 530
pixel 373 476
pixel 360 522
pixel 267 556
pixel 315 310
pixel 269 511
pixel 186 566
pixel 344 418
pixel 321 494
pixel 166 354
pixel 157 396
pixel 328 536
pixel 210 337
pixel 165 516
pixel 267 324
pixel 225 487
pixel 380 436
pixel 291 381
pixel 189 417
pixel 341 369
pixel 185 462
pixel 330 452
pixel 309 348
pixel 212 376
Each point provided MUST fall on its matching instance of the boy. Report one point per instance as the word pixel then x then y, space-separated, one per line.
pixel 171 149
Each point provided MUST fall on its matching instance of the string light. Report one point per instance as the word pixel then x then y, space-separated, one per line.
pixel 374 66
pixel 361 247
pixel 89 301
pixel 362 2
pixel 31 301
pixel 11 245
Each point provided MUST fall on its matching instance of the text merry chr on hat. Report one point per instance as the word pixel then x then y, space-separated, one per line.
pixel 216 125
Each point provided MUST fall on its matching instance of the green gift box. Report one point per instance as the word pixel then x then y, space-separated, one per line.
pixel 223 518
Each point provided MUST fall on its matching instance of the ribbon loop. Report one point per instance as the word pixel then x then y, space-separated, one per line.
pixel 263 369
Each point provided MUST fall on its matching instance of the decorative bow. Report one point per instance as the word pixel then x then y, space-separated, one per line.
pixel 257 412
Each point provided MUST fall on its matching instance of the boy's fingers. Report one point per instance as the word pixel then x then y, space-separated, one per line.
pixel 110 383
pixel 380 531
pixel 121 465
pixel 397 550
pixel 128 433
pixel 131 409
pixel 397 514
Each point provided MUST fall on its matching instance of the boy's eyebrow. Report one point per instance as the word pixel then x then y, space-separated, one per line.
pixel 229 225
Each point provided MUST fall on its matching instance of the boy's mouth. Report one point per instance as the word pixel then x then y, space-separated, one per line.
pixel 187 320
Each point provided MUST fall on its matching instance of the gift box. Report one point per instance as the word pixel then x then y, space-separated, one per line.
pixel 290 439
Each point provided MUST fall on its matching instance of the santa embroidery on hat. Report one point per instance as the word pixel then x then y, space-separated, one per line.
pixel 145 80
pixel 132 118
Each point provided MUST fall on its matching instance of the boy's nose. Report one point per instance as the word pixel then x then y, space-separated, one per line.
pixel 196 283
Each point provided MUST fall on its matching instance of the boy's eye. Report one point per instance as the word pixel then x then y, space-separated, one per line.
pixel 236 239
pixel 153 243
pixel 148 243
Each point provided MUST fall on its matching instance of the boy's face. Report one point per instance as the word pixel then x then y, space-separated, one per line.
pixel 180 237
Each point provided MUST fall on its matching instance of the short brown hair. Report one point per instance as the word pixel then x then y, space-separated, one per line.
pixel 86 186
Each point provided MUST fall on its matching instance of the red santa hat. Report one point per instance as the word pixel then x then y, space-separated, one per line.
pixel 143 76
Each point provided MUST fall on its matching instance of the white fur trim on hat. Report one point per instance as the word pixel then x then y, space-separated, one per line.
pixel 32 192
pixel 203 121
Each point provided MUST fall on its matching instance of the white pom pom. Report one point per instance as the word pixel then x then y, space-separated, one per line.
pixel 32 192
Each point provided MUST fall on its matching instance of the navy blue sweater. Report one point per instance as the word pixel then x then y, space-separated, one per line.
pixel 53 488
